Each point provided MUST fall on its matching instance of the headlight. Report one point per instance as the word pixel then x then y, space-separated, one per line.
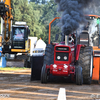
pixel 58 57
pixel 65 57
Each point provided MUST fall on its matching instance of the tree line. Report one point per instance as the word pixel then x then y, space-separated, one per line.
pixel 38 14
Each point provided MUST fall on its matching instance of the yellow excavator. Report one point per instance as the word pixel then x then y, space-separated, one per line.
pixel 14 37
pixel 15 40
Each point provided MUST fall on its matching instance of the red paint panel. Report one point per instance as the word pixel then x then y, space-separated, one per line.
pixel 61 71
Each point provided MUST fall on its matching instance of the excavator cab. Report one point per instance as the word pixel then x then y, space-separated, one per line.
pixel 20 32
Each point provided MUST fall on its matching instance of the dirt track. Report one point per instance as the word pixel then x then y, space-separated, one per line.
pixel 16 85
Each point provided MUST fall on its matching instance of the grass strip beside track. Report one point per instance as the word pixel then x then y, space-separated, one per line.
pixel 13 68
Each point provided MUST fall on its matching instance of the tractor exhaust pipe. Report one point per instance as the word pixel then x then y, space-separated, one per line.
pixel 66 39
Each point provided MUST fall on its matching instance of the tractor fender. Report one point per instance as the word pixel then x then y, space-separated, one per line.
pixel 78 51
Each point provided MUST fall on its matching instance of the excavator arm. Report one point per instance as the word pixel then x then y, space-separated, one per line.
pixel 5 13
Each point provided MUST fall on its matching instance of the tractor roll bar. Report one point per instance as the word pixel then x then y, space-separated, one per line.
pixel 50 28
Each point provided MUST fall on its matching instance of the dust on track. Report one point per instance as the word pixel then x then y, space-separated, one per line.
pixel 18 86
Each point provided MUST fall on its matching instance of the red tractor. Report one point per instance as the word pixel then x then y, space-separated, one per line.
pixel 68 59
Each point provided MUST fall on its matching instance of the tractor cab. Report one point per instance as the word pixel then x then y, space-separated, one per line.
pixel 20 32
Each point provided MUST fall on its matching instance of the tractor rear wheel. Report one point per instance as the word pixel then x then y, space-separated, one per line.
pixel 79 76
pixel 48 59
pixel 86 62
pixel 49 55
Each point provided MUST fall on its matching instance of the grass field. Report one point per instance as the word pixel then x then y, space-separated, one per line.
pixel 13 68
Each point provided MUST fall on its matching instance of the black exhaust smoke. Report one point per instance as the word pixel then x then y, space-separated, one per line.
pixel 72 14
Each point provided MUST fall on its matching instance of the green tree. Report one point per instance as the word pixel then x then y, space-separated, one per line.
pixel 22 11
pixel 16 11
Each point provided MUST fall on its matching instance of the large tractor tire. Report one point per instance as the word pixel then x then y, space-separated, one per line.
pixel 48 59
pixel 86 62
pixel 79 75
pixel 49 55
pixel 36 63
